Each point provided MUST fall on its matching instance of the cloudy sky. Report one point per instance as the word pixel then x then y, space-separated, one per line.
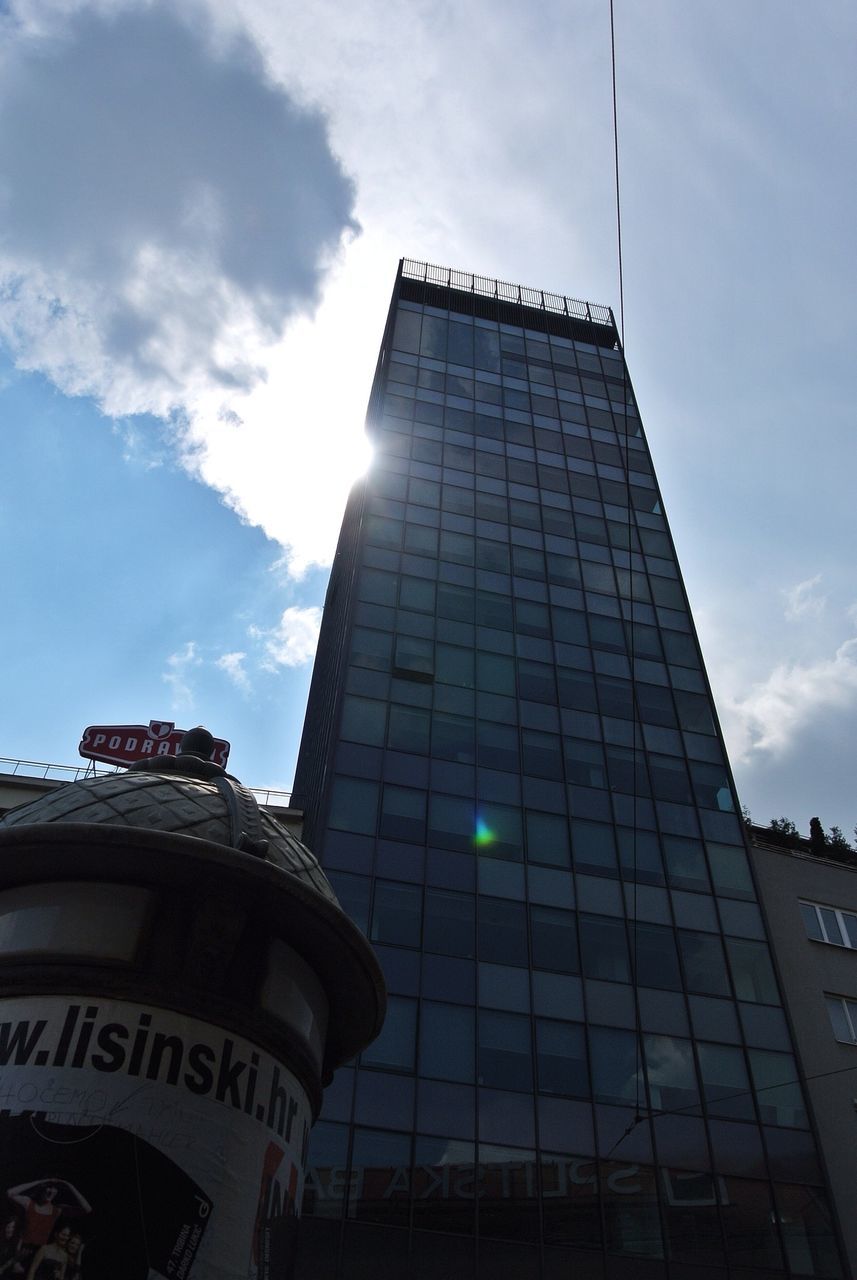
pixel 202 207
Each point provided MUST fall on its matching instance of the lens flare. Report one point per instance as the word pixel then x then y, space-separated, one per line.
pixel 483 835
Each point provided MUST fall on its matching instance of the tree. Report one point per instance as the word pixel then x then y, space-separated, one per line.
pixel 817 838
pixel 837 840
pixel 785 826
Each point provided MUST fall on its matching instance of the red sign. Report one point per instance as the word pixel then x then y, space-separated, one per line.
pixel 125 743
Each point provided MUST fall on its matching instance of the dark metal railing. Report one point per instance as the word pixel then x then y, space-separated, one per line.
pixel 74 772
pixel 466 282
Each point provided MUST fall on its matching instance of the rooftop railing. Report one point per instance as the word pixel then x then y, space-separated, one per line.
pixel 448 277
pixel 74 772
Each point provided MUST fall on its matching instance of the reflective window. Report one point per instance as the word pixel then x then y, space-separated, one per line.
pixel 626 769
pixel 694 712
pixel 752 971
pixel 671 1073
pixel 616 1065
pixel 376 587
pixel 449 924
pixel 403 814
pixel 452 738
pixel 704 963
pixel 494 673
pixel 451 822
pixel 656 705
pixel 353 805
pixel 379 1185
pixel 381 531
pixel 499 832
pixel 690 1203
pixel 594 847
pixel 656 957
pixel 750 1225
pixel 508 1210
pixel 670 780
pixel 417 594
pixel 730 871
pixel 778 1090
pixel 418 538
pixel 547 839
pixel 806 1221
pixel 408 729
pixel 447 1042
pixel 725 1082
pixel 640 856
pixel 562 1058
pixel 554 939
pixel 363 720
pixel 413 656
pixel 584 762
pixel 542 755
pixel 711 787
pixel 497 745
pixel 536 682
pixel 576 690
pixel 502 931
pixel 396 913
pixel 454 665
pixel 571 1202
pixel 685 861
pixel 604 948
pixel 505 1051
pixel 396 1043
pixel 371 648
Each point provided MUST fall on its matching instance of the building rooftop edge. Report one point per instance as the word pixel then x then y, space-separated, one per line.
pixel 797 846
pixel 488 287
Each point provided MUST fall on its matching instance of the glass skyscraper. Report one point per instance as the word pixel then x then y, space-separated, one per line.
pixel 512 773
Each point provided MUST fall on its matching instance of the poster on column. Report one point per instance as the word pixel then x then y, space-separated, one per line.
pixel 142 1144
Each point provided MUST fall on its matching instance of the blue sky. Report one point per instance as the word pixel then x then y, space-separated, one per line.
pixel 201 211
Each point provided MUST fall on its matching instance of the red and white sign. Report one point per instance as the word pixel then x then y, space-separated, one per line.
pixel 125 743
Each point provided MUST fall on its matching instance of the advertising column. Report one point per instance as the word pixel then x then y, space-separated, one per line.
pixel 178 983
pixel 137 1143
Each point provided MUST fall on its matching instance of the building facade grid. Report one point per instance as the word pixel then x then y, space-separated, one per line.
pixel 513 774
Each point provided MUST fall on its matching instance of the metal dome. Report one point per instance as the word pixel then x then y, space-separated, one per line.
pixel 183 820
pixel 170 795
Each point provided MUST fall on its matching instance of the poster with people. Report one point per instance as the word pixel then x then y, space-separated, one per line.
pixel 99 1194
pixel 138 1143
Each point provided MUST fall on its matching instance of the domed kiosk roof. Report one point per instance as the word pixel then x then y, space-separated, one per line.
pixel 182 820
pixel 173 794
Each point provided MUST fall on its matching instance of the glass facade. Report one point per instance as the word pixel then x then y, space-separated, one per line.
pixel 513 775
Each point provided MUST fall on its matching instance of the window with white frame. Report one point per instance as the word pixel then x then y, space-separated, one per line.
pixel 828 924
pixel 843 1018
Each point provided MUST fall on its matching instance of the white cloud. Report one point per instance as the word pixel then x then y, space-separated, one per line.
pixel 168 211
pixel 293 641
pixel 177 676
pixel 232 664
pixel 802 600
pixel 772 717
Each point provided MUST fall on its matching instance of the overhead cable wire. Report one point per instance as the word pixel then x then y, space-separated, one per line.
pixel 715 1102
pixel 635 726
